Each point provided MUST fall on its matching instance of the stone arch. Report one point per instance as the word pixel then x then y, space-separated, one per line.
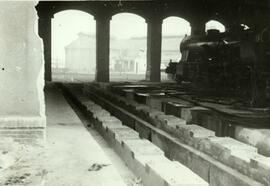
pixel 126 11
pixel 73 8
pixel 128 50
pixel 214 24
pixel 176 14
pixel 174 29
pixel 73 44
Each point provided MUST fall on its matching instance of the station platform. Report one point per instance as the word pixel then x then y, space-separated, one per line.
pixel 74 157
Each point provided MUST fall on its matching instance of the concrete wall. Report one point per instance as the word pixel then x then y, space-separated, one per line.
pixel 80 55
pixel 21 68
pixel 80 60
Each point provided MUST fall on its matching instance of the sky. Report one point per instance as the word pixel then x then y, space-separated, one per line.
pixel 214 25
pixel 67 24
pixel 65 28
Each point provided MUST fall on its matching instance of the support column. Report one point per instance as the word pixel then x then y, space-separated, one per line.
pixel 154 36
pixel 102 48
pixel 45 31
pixel 22 108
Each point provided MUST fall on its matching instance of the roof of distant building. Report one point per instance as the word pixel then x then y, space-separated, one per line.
pixel 87 40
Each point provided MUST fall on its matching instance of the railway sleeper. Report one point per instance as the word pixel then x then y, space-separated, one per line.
pixel 233 154
pixel 148 162
pixel 188 111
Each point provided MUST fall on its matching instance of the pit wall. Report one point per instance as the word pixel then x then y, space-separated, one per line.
pixel 218 160
pixel 259 138
pixel 207 118
pixel 147 163
pixel 22 107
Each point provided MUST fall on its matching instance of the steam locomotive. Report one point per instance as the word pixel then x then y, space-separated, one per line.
pixel 234 63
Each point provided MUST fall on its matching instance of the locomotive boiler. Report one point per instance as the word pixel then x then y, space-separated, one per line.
pixel 235 64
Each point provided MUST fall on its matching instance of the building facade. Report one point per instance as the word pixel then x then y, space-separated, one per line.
pixel 126 55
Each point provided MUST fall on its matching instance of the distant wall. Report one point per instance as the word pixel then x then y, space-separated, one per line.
pixel 21 68
pixel 80 60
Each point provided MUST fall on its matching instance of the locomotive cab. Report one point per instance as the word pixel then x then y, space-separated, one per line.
pixel 227 64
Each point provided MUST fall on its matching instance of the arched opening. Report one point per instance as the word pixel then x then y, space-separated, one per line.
pixel 174 29
pixel 73 46
pixel 127 47
pixel 212 24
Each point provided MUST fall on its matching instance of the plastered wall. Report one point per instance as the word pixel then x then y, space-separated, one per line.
pixel 21 67
pixel 21 60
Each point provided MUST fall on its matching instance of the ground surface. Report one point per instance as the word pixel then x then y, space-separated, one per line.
pixel 72 155
pixel 21 164
pixel 114 77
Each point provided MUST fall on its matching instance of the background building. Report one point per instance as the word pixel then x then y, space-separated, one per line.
pixel 126 55
pixel 80 55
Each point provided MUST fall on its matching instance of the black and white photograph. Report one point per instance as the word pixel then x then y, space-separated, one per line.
pixel 135 93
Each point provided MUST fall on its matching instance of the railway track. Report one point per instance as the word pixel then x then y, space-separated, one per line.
pixel 225 120
pixel 218 160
